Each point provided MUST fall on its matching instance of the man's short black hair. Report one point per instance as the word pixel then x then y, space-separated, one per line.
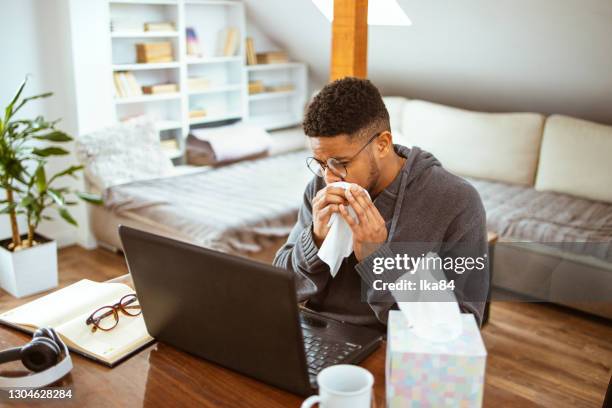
pixel 346 106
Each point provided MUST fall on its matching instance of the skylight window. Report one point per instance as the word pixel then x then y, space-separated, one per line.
pixel 380 12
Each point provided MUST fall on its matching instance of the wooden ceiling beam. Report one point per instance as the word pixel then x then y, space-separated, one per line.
pixel 349 39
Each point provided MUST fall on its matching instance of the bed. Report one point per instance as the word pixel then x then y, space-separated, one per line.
pixel 247 208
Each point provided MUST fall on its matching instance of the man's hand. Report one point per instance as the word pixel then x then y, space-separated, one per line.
pixel 324 204
pixel 370 231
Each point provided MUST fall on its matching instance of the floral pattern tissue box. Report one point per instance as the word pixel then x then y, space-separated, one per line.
pixel 422 373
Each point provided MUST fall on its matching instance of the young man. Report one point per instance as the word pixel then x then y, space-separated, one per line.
pixel 413 203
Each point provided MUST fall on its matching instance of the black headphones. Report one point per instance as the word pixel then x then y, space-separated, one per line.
pixel 46 355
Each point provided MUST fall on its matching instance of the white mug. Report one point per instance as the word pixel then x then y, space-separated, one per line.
pixel 343 386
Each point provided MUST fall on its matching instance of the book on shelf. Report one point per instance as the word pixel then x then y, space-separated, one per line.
pixel 169 145
pixel 126 84
pixel 154 52
pixel 198 83
pixel 159 26
pixel 256 86
pixel 272 57
pixel 119 92
pixel 197 113
pixel 160 89
pixel 228 41
pixel 193 44
pixel 135 89
pixel 251 57
pixel 279 88
pixel 67 309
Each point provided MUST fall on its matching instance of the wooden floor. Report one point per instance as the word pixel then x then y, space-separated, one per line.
pixel 538 355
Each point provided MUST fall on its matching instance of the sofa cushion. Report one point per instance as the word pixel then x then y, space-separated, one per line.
pixel 395 107
pixel 495 146
pixel 520 213
pixel 576 158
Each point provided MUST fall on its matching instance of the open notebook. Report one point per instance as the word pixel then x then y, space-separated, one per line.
pixel 66 311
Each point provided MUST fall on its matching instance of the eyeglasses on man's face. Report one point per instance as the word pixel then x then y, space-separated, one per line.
pixel 107 317
pixel 338 167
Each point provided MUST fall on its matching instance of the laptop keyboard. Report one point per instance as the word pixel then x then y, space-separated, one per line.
pixel 321 353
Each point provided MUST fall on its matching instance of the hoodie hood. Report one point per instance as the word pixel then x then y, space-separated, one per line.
pixel 417 163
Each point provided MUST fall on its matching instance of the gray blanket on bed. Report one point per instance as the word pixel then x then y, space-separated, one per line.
pixel 238 208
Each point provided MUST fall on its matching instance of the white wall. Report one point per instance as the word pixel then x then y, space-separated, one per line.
pixel 502 55
pixel 261 42
pixel 15 62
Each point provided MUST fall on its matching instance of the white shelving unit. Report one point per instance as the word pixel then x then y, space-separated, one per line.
pixel 279 109
pixel 144 34
pixel 147 98
pixel 149 66
pixel 226 98
pixel 273 67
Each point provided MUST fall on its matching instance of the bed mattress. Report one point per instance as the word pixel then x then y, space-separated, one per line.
pixel 242 208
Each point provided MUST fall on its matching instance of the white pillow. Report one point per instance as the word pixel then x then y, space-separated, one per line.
pixel 576 158
pixel 125 152
pixel 495 146
pixel 395 107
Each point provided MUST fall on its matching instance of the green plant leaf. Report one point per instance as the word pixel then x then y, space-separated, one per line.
pixel 42 95
pixel 40 177
pixel 66 216
pixel 50 151
pixel 31 98
pixel 8 112
pixel 69 171
pixel 27 201
pixel 14 168
pixel 55 136
pixel 57 197
pixel 90 198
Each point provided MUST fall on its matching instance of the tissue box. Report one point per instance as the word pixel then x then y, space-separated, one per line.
pixel 421 373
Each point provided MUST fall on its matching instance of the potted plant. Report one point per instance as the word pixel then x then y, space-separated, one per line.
pixel 28 262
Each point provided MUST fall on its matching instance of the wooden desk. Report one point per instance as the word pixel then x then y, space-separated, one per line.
pixel 162 376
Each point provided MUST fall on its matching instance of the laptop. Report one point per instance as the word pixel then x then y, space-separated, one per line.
pixel 236 312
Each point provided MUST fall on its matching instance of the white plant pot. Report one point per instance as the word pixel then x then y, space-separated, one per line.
pixel 30 270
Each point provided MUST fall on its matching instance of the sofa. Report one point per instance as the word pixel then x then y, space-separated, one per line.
pixel 546 184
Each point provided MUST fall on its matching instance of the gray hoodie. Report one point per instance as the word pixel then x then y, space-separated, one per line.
pixel 423 204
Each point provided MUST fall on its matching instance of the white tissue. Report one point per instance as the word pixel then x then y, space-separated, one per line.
pixel 438 321
pixel 338 244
